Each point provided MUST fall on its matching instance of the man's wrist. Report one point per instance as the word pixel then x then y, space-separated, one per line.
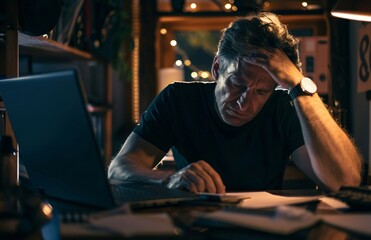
pixel 306 86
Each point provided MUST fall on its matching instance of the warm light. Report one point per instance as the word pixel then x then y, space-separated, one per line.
pixel 234 8
pixel 179 63
pixel 362 18
pixel 193 5
pixel 187 62
pixel 96 43
pixel 163 31
pixel 304 4
pixel 359 10
pixel 135 63
pixel 228 6
pixel 205 74
pixel 173 43
pixel 194 75
pixel 47 210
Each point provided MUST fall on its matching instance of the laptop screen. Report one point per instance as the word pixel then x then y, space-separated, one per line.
pixel 56 138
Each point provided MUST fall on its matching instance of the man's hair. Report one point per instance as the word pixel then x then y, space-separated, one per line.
pixel 256 30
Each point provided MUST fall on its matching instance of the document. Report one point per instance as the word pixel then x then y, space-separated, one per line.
pixel 266 200
pixel 284 220
pixel 232 197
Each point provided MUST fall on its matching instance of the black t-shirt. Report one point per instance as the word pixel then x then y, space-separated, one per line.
pixel 249 157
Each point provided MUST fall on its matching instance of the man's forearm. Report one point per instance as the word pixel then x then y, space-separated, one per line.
pixel 334 157
pixel 124 170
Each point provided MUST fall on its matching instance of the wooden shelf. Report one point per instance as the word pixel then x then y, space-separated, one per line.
pixel 42 47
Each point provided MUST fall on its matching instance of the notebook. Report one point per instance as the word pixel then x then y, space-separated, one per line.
pixel 58 146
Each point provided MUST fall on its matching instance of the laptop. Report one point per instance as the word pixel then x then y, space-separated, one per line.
pixel 58 146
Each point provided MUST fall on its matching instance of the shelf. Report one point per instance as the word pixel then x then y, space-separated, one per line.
pixel 42 47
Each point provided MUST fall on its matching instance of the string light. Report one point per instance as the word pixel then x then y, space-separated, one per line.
pixel 178 63
pixel 163 31
pixel 173 43
pixel 228 6
pixel 193 6
pixel 205 74
pixel 196 73
pixel 187 62
pixel 304 4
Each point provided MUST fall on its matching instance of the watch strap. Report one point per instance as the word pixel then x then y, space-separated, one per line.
pixel 306 86
pixel 296 91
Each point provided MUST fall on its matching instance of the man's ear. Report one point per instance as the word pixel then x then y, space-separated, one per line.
pixel 215 68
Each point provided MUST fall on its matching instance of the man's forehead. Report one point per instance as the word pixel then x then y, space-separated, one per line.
pixel 241 65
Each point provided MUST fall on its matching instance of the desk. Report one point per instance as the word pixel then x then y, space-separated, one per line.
pixel 184 217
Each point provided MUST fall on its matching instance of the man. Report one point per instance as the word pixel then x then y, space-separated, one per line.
pixel 238 133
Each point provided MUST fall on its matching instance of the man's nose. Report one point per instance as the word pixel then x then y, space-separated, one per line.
pixel 242 100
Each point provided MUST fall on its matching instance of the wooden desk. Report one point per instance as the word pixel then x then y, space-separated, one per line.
pixel 184 217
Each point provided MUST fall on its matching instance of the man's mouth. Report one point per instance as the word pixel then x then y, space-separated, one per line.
pixel 234 112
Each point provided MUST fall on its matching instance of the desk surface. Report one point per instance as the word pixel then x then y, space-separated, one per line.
pixel 184 217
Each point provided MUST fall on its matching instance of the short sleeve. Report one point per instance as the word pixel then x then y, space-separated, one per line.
pixel 156 122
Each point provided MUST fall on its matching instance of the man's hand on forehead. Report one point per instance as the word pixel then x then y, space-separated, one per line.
pixel 276 63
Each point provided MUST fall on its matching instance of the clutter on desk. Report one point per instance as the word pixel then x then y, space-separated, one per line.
pixel 140 224
pixel 262 199
pixel 21 211
pixel 29 215
pixel 283 220
pixel 357 198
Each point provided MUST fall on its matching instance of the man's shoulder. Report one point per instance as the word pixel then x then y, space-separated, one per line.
pixel 192 86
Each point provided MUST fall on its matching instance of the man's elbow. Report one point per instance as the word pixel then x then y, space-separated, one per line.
pixel 347 180
pixel 352 180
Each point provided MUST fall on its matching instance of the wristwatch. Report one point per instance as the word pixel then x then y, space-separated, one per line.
pixel 305 87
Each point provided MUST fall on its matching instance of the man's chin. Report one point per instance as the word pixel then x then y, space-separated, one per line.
pixel 234 121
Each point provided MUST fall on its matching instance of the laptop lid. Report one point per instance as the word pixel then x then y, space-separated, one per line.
pixel 56 137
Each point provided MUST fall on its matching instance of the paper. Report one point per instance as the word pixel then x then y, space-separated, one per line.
pixel 137 224
pixel 359 223
pixel 332 203
pixel 231 197
pixel 266 200
pixel 284 222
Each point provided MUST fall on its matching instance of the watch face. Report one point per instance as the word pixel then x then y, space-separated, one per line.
pixel 308 85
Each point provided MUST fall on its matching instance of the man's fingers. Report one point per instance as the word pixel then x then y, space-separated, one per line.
pixel 201 177
pixel 212 180
pixel 198 177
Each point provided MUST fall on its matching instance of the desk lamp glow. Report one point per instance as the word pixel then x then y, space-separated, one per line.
pixel 359 10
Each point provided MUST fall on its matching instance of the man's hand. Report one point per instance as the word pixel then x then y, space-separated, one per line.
pixel 197 177
pixel 277 64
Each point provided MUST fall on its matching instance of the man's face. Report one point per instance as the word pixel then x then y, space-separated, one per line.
pixel 241 91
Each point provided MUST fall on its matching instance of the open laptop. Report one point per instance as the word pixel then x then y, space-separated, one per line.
pixel 58 145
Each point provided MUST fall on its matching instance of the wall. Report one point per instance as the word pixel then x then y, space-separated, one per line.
pixel 359 104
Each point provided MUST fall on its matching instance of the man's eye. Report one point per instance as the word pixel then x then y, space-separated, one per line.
pixel 263 92
pixel 235 85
